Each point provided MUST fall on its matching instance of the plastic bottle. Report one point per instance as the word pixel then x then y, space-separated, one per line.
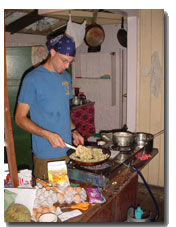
pixel 138 212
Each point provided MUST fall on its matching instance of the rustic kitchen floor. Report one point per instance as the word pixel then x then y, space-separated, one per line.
pixel 145 201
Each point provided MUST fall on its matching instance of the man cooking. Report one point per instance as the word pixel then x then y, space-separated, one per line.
pixel 45 94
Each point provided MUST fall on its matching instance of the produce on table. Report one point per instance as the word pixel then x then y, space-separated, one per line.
pixel 17 213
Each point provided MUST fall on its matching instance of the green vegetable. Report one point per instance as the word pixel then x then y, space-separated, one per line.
pixel 17 213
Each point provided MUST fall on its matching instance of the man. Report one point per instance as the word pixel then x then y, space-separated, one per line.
pixel 45 94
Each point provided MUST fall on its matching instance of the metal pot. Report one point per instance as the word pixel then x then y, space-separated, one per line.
pixel 145 140
pixel 123 139
pixel 83 98
pixel 76 101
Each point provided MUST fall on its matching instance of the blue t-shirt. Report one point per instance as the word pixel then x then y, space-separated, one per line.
pixel 48 94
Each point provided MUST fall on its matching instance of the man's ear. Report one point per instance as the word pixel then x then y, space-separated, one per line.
pixel 52 52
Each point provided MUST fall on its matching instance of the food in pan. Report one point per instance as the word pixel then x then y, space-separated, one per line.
pixel 85 154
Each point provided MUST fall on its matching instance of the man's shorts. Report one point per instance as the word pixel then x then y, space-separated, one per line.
pixel 41 166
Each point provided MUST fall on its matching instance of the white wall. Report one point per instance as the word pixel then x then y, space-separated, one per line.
pixel 107 116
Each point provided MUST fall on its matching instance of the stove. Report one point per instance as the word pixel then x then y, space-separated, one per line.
pixel 101 175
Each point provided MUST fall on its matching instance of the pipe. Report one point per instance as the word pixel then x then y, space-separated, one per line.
pixel 151 194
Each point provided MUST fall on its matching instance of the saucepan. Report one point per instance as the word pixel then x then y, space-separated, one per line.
pixel 145 140
pixel 123 139
pixel 76 162
pixel 107 135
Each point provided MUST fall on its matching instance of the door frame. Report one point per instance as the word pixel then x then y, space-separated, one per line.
pixel 132 56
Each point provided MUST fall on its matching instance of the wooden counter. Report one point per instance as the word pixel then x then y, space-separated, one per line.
pixel 119 196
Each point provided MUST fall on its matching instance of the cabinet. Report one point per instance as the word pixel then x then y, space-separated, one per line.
pixel 83 117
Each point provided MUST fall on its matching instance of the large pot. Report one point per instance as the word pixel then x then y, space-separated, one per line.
pixel 123 139
pixel 145 140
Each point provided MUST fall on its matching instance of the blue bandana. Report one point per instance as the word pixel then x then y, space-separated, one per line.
pixel 63 45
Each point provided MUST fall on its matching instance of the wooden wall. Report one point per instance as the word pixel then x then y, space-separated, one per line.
pixel 150 87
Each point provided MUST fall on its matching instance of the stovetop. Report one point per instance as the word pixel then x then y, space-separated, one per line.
pixel 101 175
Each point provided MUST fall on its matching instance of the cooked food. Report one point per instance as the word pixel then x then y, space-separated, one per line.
pixel 85 154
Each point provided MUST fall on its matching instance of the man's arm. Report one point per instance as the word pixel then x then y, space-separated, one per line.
pixel 25 123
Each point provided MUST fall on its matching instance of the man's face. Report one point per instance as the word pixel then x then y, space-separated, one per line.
pixel 61 62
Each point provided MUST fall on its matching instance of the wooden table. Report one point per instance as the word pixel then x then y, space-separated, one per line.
pixel 119 196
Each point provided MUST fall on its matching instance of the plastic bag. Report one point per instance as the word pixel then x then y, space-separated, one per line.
pixel 9 198
pixel 57 174
pixel 76 31
pixel 95 195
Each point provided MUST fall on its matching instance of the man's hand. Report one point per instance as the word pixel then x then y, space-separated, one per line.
pixel 55 140
pixel 77 138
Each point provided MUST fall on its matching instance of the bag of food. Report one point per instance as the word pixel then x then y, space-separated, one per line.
pixel 57 174
pixel 95 195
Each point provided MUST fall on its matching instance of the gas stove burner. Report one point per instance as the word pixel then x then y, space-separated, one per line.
pixel 123 156
pixel 121 149
pixel 97 167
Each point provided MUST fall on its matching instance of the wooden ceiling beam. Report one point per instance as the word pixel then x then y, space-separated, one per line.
pixel 82 13
pixel 23 22
pixel 51 30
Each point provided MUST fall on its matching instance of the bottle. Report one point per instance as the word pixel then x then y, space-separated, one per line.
pixel 138 213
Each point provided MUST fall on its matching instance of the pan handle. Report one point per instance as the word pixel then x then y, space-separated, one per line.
pixel 122 25
pixel 158 133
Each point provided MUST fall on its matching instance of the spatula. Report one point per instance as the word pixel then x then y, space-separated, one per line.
pixel 70 146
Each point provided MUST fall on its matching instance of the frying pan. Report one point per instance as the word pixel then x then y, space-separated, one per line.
pixel 105 151
pixel 122 34
pixel 94 35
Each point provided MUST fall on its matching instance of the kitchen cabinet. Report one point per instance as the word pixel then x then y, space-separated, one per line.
pixel 83 117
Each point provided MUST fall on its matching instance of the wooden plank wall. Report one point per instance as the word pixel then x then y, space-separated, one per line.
pixel 150 107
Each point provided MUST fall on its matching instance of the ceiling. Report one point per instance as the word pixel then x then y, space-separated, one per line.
pixel 52 22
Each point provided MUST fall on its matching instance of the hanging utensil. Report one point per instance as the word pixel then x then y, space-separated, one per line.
pixel 122 34
pixel 95 35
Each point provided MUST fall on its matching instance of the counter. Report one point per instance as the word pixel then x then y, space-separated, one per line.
pixel 74 107
pixel 119 196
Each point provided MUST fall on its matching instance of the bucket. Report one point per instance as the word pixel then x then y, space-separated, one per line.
pixel 132 218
